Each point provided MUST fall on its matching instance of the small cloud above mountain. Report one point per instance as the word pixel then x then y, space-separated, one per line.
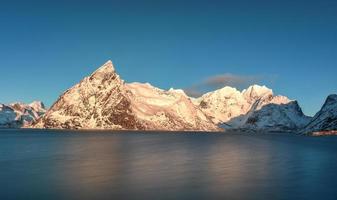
pixel 221 80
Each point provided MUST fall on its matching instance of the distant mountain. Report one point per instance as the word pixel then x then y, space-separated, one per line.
pixel 104 101
pixel 325 121
pixel 17 115
pixel 255 108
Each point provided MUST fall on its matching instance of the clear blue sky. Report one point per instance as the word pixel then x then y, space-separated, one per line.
pixel 47 46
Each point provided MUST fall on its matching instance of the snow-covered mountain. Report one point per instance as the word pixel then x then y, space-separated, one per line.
pixel 103 101
pixel 276 117
pixel 325 120
pixel 255 108
pixel 18 115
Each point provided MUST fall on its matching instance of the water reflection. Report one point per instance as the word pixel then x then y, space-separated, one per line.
pixel 165 166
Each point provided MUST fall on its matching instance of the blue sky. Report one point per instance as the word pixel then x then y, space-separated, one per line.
pixel 291 46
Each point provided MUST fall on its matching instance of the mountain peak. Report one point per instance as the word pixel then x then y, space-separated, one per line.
pixel 104 101
pixel 332 98
pixel 326 118
pixel 258 88
pixel 330 102
pixel 257 91
pixel 107 68
pixel 228 89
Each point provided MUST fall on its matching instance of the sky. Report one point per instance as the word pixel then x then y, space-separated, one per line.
pixel 289 46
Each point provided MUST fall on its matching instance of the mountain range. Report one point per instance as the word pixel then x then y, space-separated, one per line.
pixel 104 101
pixel 16 115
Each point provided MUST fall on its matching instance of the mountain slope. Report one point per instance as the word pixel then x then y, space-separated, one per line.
pixel 159 108
pixel 104 101
pixel 326 119
pixel 18 115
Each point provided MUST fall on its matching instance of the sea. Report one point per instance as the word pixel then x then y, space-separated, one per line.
pixel 49 164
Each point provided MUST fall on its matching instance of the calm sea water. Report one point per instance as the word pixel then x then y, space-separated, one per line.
pixel 88 165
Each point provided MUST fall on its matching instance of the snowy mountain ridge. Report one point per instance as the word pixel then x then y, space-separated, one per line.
pixel 17 115
pixel 254 108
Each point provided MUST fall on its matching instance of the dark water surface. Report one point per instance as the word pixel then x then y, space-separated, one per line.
pixel 38 164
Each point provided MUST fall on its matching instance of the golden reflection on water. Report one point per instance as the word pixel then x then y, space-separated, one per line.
pixel 90 166
pixel 171 166
pixel 98 164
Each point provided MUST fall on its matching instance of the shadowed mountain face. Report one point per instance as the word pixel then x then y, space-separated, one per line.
pixel 104 101
pixel 271 117
pixel 326 118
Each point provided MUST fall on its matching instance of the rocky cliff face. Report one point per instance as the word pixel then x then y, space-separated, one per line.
pixel 325 121
pixel 17 115
pixel 104 101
